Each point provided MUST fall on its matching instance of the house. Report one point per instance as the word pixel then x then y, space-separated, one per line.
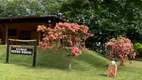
pixel 24 27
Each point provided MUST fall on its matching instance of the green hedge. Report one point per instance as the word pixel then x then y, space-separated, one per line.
pixel 138 48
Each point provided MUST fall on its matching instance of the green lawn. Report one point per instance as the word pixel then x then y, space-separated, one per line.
pixel 53 66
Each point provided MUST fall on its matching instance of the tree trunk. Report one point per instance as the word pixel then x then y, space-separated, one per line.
pixel 121 62
pixel 69 66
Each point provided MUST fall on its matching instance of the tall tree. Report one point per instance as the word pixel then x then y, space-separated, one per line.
pixel 14 7
pixel 29 7
pixel 106 18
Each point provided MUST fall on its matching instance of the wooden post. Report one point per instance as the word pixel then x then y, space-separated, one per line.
pixel 7 51
pixel 6 34
pixel 34 56
pixel 112 69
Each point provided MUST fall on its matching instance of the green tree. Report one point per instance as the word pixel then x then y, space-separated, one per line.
pixel 14 8
pixel 29 7
pixel 106 18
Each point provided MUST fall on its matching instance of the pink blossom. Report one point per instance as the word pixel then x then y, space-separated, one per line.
pixel 50 32
pixel 76 54
pixel 40 44
pixel 53 37
pixel 43 46
pixel 39 28
pixel 120 47
pixel 75 51
pixel 46 39
pixel 60 24
pixel 133 55
pixel 63 34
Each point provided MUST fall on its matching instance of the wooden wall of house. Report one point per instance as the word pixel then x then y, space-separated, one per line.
pixel 2 33
pixel 19 27
pixel 23 27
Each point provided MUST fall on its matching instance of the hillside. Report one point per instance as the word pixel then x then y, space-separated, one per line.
pixel 53 66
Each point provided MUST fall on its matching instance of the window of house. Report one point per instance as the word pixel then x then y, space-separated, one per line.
pixel 25 35
pixel 12 32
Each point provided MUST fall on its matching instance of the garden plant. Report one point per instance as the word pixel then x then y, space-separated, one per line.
pixel 120 48
pixel 69 36
pixel 138 48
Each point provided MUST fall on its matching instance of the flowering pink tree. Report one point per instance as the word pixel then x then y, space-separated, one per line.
pixel 70 36
pixel 120 48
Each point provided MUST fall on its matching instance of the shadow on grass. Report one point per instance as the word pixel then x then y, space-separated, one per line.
pixel 60 61
pixel 94 59
pixel 103 75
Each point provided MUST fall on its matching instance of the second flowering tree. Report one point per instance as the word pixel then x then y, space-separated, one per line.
pixel 69 36
pixel 121 48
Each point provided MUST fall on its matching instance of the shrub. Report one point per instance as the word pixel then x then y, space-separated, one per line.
pixel 69 36
pixel 138 48
pixel 120 48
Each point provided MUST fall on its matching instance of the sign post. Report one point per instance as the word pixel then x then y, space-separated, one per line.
pixel 22 50
pixel 7 52
pixel 35 49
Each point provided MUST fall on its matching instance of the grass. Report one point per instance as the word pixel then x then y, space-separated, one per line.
pixel 53 66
